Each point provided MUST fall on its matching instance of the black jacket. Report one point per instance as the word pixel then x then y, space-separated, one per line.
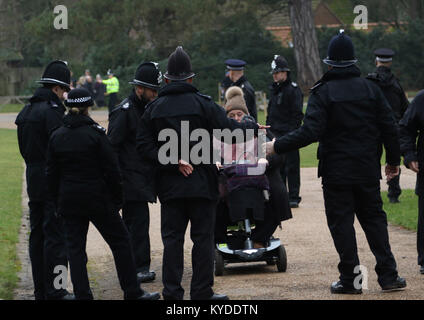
pixel 35 123
pixel 177 102
pixel 350 117
pixel 82 169
pixel 411 127
pixel 392 90
pixel 249 94
pixel 285 107
pixel 137 173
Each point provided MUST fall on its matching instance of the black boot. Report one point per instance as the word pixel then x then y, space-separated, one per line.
pixel 339 288
pixel 216 296
pixel 398 284
pixel 143 296
pixel 147 276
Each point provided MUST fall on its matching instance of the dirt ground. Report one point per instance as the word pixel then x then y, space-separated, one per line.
pixel 312 258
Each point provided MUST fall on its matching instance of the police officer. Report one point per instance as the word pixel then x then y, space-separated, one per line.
pixel 396 97
pixel 285 115
pixel 350 118
pixel 137 177
pixel 187 192
pixel 84 179
pixel 237 78
pixel 112 89
pixel 35 122
pixel 411 127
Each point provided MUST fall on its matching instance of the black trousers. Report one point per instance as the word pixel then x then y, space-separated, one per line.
pixel 175 215
pixel 113 230
pixel 136 218
pixel 420 230
pixel 290 173
pixel 342 202
pixel 46 249
pixel 394 189
pixel 113 101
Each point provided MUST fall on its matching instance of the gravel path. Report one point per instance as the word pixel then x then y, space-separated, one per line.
pixel 312 258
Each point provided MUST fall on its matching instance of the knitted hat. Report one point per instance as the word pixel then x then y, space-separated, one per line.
pixel 235 100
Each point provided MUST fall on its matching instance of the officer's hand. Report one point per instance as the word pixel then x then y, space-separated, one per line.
pixel 261 126
pixel 391 172
pixel 185 168
pixel 268 148
pixel 413 165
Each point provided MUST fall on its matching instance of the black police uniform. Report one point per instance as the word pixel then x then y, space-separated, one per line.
pixel 396 97
pixel 285 114
pixel 411 127
pixel 84 179
pixel 350 117
pixel 46 242
pixel 137 177
pixel 244 84
pixel 184 199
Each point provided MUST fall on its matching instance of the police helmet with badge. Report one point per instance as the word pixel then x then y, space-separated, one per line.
pixel 341 53
pixel 148 75
pixel 279 64
pixel 57 73
pixel 179 66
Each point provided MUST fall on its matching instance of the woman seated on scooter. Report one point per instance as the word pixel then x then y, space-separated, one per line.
pixel 261 197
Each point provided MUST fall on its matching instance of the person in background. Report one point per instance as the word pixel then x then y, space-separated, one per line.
pixel 112 89
pixel 285 114
pixel 237 78
pixel 396 97
pixel 99 92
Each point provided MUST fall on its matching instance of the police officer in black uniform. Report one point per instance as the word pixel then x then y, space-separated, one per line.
pixel 350 117
pixel 137 174
pixel 84 179
pixel 187 192
pixel 237 78
pixel 411 127
pixel 396 97
pixel 285 115
pixel 35 122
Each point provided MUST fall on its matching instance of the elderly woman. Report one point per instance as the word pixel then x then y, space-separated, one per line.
pixel 235 203
pixel 84 181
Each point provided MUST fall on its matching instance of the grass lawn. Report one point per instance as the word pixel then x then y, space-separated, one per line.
pixel 405 213
pixel 6 108
pixel 11 171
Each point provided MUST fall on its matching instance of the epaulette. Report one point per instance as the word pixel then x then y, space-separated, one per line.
pixel 53 104
pixel 316 85
pixel 98 128
pixel 123 106
pixel 204 96
pixel 373 76
pixel 294 84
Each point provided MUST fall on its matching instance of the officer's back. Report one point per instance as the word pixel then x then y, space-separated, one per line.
pixel 88 167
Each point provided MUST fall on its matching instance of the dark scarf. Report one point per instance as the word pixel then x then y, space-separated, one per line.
pixel 77 120
pixel 341 73
pixel 385 76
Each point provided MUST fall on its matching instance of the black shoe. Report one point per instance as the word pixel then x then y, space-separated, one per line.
pixel 422 269
pixel 398 284
pixel 339 288
pixel 294 204
pixel 146 296
pixel 216 296
pixel 394 200
pixel 148 276
pixel 66 297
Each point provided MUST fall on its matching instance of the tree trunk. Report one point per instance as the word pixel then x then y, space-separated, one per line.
pixel 305 43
